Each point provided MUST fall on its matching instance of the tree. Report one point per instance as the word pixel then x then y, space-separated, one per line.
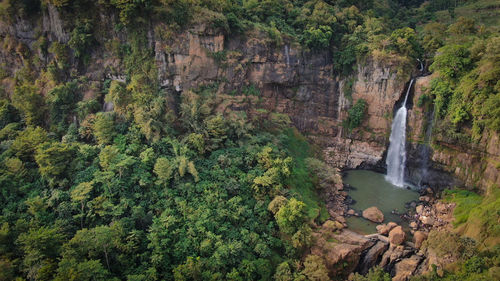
pixel 291 216
pixel 55 162
pixel 283 272
pixel 163 170
pixel 81 194
pixel 41 247
pixel 81 38
pixel 8 113
pixel 120 97
pixel 27 141
pixel 315 268
pixel 405 42
pixel 89 270
pixel 452 61
pixel 62 102
pixel 104 127
pixel 30 103
pixel 318 38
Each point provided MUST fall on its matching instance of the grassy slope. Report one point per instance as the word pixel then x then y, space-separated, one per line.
pixel 485 12
pixel 300 182
pixel 476 216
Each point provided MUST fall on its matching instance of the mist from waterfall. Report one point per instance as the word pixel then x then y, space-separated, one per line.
pixel 396 155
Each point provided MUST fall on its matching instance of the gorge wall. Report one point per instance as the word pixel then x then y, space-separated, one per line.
pixel 250 73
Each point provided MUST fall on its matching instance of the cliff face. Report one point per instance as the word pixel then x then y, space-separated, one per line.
pixel 472 164
pixel 290 81
pixel 252 74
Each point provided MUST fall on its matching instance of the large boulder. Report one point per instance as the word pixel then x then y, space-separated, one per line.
pixel 418 238
pixel 385 228
pixel 404 269
pixel 372 256
pixel 373 214
pixel 397 235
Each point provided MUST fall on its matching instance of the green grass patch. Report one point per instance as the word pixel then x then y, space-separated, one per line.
pixel 465 200
pixel 477 216
pixel 300 182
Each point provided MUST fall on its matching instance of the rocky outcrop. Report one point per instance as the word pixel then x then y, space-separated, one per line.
pixel 372 256
pixel 418 238
pixel 341 250
pixel 405 268
pixel 445 162
pixel 397 236
pixel 373 214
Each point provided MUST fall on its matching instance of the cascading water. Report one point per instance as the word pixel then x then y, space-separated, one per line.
pixel 396 155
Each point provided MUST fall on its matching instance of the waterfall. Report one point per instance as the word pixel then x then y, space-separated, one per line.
pixel 396 156
pixel 287 55
pixel 421 69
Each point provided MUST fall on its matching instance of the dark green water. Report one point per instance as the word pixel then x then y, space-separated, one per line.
pixel 371 189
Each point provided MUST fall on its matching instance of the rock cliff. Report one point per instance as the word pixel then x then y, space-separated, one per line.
pixel 253 74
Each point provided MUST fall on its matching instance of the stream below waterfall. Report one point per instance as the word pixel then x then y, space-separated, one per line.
pixel 371 189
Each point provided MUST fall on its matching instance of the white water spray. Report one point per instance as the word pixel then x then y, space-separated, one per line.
pixel 396 156
pixel 421 69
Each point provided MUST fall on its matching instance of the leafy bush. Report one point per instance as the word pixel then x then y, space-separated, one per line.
pixel 81 39
pixel 356 115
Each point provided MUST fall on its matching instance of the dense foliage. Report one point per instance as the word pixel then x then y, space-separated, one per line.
pixel 124 180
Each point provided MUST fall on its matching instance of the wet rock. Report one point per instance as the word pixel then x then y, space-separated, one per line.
pixel 405 268
pixel 418 238
pixel 393 253
pixel 397 235
pixel 373 214
pixel 372 256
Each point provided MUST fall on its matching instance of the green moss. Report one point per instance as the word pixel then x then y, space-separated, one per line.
pixel 300 183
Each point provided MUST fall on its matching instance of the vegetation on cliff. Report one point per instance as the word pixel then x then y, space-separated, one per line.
pixel 122 179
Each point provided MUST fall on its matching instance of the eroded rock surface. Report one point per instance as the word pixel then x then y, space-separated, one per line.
pixel 373 214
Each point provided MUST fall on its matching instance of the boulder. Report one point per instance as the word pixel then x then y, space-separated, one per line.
pixel 392 254
pixel 404 269
pixel 440 207
pixel 413 224
pixel 385 228
pixel 339 225
pixel 373 214
pixel 372 256
pixel 330 225
pixel 341 251
pixel 424 198
pixel 391 225
pixel 340 219
pixel 418 238
pixel 351 212
pixel 419 209
pixel 397 235
pixel 381 229
pixel 427 220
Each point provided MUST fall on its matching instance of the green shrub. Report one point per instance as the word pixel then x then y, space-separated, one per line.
pixel 356 115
